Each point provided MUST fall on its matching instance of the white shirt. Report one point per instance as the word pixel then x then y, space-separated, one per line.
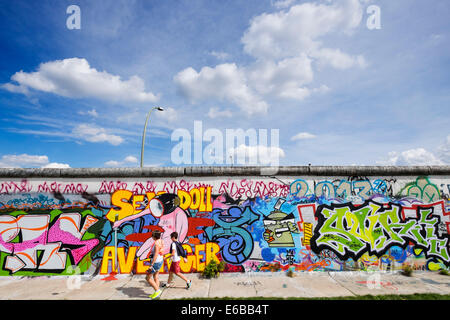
pixel 175 257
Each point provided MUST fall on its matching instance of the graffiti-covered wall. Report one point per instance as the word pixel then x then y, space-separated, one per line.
pixel 57 225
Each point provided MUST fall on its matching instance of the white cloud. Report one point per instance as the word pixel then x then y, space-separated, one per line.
pixel 56 165
pixel 338 59
pixel 285 78
pixel 443 150
pixel 130 159
pixel 437 39
pixel 95 134
pixel 412 157
pixel 220 55
pixel 112 163
pixel 283 4
pixel 244 154
pixel 287 47
pixel 15 88
pixel 214 113
pixel 286 44
pixel 12 160
pixel 225 82
pixel 93 113
pixel 85 132
pixel 75 78
pixel 287 33
pixel 126 161
pixel 303 136
pixel 28 161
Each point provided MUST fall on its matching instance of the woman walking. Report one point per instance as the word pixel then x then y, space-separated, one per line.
pixel 157 260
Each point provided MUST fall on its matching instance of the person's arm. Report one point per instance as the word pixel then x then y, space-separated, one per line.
pixel 174 248
pixel 157 250
pixel 153 257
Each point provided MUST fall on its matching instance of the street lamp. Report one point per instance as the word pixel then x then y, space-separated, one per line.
pixel 145 129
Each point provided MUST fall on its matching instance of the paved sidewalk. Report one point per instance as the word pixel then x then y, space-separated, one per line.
pixel 242 285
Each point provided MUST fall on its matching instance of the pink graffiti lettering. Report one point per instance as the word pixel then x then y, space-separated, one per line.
pixel 173 186
pixel 35 236
pixel 251 189
pixel 74 188
pixel 13 187
pixel 140 188
pixel 112 186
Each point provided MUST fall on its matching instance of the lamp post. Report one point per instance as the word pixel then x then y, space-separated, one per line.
pixel 145 129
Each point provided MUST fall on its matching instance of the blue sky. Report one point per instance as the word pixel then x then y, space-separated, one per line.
pixel 338 92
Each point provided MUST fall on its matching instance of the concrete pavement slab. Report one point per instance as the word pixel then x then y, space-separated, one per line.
pixel 365 283
pixel 199 289
pixel 242 285
pixel 320 284
pixel 436 281
pixel 136 288
pixel 96 289
pixel 36 288
pixel 276 285
pixel 10 287
pixel 406 285
pixel 232 285
pixel 377 283
pixel 8 282
pixel 302 284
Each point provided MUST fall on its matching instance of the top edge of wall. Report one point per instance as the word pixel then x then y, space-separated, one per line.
pixel 224 171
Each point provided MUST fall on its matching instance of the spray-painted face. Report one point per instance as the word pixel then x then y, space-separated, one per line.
pixel 278 229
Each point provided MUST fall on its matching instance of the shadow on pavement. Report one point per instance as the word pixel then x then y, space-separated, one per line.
pixel 134 292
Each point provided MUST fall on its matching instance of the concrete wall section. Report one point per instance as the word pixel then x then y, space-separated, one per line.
pixel 64 221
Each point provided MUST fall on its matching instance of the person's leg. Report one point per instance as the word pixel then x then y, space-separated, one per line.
pixel 172 270
pixel 151 281
pixel 177 271
pixel 182 276
pixel 156 279
pixel 170 278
